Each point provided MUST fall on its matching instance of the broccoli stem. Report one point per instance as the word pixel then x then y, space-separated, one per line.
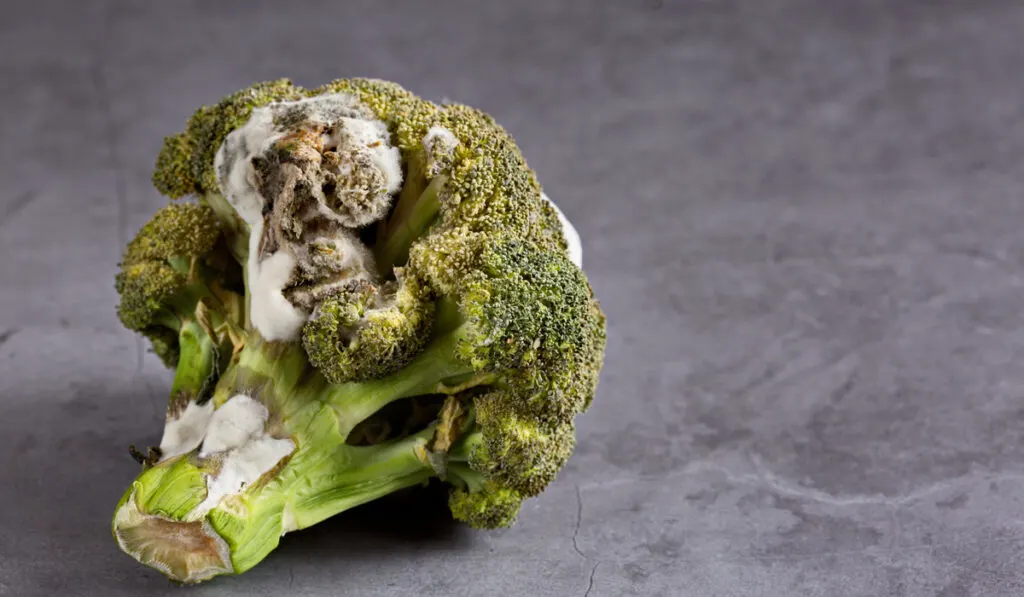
pixel 203 352
pixel 464 447
pixel 461 472
pixel 197 362
pixel 409 223
pixel 168 528
pixel 458 468
pixel 158 524
pixel 359 474
pixel 412 187
pixel 236 231
pixel 283 369
pixel 426 374
pixel 314 485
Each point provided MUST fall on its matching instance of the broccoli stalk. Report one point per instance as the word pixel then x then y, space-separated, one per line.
pixel 165 514
pixel 408 224
pixel 371 293
pixel 322 476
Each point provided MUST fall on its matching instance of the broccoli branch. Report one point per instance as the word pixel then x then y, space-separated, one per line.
pixel 409 222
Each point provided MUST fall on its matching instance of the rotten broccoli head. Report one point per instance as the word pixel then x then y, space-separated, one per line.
pixel 382 281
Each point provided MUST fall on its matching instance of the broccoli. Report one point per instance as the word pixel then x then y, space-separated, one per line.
pixel 366 292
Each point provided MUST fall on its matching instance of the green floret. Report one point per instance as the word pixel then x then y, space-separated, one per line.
pixel 529 308
pixel 159 261
pixel 174 284
pixel 517 450
pixel 363 332
pixel 146 290
pixel 173 174
pixel 488 506
pixel 175 232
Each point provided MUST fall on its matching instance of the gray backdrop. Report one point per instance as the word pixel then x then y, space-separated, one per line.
pixel 802 217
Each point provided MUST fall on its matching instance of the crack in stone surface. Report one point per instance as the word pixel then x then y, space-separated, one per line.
pixel 579 521
pixel 590 584
pixel 575 541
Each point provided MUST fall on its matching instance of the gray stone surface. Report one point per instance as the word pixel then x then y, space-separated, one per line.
pixel 803 219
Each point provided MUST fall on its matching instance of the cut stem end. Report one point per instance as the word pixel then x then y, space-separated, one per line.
pixel 186 552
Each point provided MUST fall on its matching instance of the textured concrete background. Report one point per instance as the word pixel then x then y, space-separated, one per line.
pixel 803 218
